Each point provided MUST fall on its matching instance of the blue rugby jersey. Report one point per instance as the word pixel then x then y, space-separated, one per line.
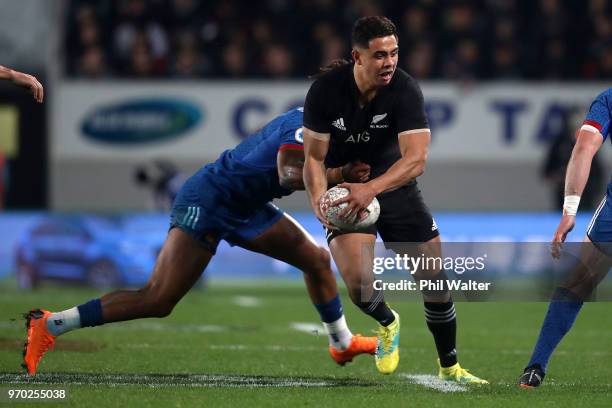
pixel 600 113
pixel 246 177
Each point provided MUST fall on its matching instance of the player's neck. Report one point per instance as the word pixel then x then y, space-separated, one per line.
pixel 367 89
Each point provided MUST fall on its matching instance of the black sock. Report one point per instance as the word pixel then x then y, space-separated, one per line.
pixel 442 322
pixel 378 309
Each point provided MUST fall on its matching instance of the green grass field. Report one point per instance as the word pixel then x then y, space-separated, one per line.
pixel 237 345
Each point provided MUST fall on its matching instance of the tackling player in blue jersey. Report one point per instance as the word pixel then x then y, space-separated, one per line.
pixel 595 252
pixel 230 200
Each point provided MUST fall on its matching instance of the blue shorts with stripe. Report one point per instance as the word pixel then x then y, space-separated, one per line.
pixel 209 221
pixel 600 227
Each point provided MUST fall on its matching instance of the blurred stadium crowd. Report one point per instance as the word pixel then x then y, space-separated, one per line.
pixel 439 39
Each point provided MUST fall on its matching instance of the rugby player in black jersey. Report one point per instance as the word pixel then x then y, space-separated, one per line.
pixel 371 112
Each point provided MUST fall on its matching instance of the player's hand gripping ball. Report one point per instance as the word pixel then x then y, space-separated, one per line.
pixel 332 212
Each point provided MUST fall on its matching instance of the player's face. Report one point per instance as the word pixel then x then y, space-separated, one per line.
pixel 379 60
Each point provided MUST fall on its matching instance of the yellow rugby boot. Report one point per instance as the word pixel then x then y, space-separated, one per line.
pixel 387 348
pixel 459 375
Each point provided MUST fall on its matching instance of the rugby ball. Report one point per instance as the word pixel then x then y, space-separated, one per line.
pixel 332 212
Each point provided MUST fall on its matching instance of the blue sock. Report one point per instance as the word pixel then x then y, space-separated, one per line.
pixel 562 312
pixel 330 311
pixel 338 333
pixel 91 313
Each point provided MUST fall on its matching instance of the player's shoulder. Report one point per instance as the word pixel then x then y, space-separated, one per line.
pixel 602 104
pixel 605 95
pixel 402 80
pixel 290 130
pixel 293 118
pixel 334 78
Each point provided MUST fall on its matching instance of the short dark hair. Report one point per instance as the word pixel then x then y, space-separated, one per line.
pixel 368 28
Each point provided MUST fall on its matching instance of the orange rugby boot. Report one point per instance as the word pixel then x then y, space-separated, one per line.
pixel 39 339
pixel 359 345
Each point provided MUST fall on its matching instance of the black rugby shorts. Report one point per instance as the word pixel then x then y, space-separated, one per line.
pixel 404 217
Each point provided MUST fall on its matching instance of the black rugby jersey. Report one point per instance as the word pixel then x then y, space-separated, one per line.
pixel 370 133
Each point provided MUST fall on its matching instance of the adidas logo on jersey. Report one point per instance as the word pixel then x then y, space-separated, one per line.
pixel 434 226
pixel 339 123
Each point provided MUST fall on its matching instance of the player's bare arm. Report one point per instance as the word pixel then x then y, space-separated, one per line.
pixel 353 172
pixel 315 178
pixel 290 164
pixel 23 80
pixel 588 143
pixel 414 147
pixel 291 170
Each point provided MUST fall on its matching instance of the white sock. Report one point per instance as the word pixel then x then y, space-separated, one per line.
pixel 62 322
pixel 339 334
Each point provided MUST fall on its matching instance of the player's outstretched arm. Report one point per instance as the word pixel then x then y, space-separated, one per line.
pixel 290 164
pixel 24 80
pixel 588 143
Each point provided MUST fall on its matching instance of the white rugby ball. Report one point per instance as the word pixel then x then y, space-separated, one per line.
pixel 332 212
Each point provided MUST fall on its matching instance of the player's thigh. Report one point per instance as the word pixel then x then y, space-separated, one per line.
pixel 353 254
pixel 287 241
pixel 589 270
pixel 407 227
pixel 180 263
pixel 430 250
pixel 405 218
pixel 596 249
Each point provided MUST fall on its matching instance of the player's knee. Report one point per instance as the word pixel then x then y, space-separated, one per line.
pixel 436 296
pixel 318 261
pixel 163 309
pixel 322 260
pixel 156 304
pixel 354 288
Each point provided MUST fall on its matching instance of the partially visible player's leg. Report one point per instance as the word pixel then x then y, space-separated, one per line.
pixel 564 307
pixel 407 227
pixel 439 308
pixel 353 254
pixel 179 265
pixel 287 241
pixel 441 317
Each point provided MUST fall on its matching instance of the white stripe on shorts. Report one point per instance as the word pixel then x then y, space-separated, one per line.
pixel 599 208
pixel 197 217
pixel 187 215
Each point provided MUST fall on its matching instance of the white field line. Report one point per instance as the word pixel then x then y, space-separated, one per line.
pixel 167 327
pixel 315 329
pixel 433 382
pixel 145 326
pixel 116 380
pixel 268 347
pixel 246 301
pixel 252 347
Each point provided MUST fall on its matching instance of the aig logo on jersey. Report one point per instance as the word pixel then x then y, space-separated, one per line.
pixel 359 137
pixel 376 122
